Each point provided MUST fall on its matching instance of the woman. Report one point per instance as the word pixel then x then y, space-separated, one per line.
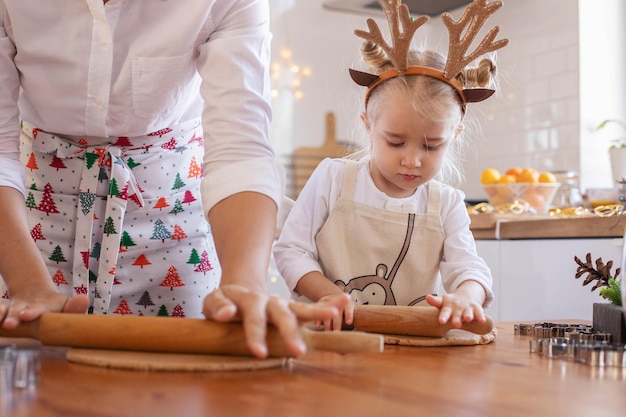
pixel 136 123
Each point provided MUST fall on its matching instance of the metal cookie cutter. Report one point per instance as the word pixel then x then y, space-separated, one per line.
pixel 599 354
pixel 577 342
pixel 26 368
pixel 19 368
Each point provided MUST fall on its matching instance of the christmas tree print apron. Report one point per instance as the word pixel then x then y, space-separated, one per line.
pixel 380 256
pixel 121 219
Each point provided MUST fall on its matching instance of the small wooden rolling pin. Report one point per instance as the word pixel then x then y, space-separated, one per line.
pixel 409 321
pixel 172 335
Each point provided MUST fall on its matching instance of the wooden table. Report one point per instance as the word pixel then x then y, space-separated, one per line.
pixel 502 379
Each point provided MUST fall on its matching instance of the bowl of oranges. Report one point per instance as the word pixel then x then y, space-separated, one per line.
pixel 525 188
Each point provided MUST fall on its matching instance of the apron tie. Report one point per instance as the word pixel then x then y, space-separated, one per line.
pixel 122 187
pixel 120 219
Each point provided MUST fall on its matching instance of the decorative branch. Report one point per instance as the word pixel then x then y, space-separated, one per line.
pixel 609 285
pixel 464 31
pixel 402 28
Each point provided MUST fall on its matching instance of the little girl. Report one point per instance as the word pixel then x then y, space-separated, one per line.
pixel 382 225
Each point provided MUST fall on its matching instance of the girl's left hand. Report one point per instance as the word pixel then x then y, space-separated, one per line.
pixel 345 313
pixel 457 309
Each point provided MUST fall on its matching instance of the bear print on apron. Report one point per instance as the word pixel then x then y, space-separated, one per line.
pixel 380 256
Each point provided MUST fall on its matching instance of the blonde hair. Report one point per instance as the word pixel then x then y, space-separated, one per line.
pixel 429 97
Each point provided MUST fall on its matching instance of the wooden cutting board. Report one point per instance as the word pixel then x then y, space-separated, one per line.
pixel 306 159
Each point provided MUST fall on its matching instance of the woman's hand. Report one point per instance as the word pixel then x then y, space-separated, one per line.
pixel 31 290
pixel 17 310
pixel 464 305
pixel 243 240
pixel 344 314
pixel 256 309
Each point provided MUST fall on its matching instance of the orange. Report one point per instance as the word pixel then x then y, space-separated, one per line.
pixel 491 190
pixel 498 200
pixel 547 177
pixel 506 192
pixel 507 179
pixel 515 171
pixel 528 175
pixel 489 176
pixel 535 199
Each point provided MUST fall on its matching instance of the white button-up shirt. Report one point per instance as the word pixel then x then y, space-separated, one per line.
pixel 128 68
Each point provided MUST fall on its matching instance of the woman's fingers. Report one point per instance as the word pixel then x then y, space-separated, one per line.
pixel 77 304
pixel 18 310
pixel 217 306
pixel 257 309
pixel 281 315
pixel 237 303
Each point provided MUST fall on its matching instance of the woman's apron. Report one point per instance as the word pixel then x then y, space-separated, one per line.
pixel 122 221
pixel 379 256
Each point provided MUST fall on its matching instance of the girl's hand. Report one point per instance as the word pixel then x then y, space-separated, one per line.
pixel 457 308
pixel 17 309
pixel 345 311
pixel 257 308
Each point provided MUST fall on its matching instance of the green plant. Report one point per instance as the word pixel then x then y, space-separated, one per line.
pixel 617 142
pixel 609 285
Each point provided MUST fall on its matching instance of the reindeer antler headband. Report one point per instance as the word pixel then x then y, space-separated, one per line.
pixel 397 14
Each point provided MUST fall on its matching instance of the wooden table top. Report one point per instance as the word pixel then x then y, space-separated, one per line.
pixel 501 379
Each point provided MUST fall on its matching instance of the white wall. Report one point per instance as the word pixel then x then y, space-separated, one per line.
pixel 535 120
pixel 603 85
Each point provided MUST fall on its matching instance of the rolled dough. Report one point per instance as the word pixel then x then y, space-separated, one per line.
pixel 153 361
pixel 454 337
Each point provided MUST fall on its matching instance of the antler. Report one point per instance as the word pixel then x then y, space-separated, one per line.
pixel 397 15
pixel 474 17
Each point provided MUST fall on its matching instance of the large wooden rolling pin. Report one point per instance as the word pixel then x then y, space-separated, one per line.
pixel 164 334
pixel 176 335
pixel 409 321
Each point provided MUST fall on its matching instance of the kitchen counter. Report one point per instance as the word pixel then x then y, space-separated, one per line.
pixel 495 226
pixel 501 379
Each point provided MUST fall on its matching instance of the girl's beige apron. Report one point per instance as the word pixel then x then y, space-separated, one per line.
pixel 379 256
pixel 121 219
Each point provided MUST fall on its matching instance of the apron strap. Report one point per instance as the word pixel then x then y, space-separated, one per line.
pixel 434 197
pixel 122 186
pixel 349 178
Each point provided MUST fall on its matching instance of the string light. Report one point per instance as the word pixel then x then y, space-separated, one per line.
pixel 288 76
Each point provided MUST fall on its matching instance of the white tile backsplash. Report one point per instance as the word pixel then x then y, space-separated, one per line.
pixel 534 120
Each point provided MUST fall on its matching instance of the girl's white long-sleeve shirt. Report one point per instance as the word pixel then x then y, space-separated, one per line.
pixel 296 252
pixel 128 68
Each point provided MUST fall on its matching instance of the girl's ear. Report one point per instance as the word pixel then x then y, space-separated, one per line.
pixel 459 129
pixel 365 121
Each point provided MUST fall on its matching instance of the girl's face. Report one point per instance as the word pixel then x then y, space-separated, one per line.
pixel 407 149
